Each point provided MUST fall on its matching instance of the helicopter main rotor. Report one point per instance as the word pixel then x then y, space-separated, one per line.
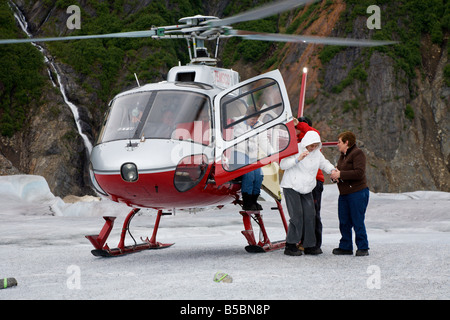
pixel 201 28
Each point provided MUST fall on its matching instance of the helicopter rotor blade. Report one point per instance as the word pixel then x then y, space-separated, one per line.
pixel 250 35
pixel 131 34
pixel 259 13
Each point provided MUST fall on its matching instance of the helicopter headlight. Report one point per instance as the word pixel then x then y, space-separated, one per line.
pixel 129 172
pixel 190 171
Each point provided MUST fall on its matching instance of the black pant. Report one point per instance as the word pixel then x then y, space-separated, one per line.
pixel 301 212
pixel 317 195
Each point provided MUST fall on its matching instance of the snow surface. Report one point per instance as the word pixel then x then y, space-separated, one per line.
pixel 42 245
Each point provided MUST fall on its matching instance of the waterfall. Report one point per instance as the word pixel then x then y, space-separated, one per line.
pixel 20 18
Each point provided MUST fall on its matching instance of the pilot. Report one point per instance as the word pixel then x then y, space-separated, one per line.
pixel 136 115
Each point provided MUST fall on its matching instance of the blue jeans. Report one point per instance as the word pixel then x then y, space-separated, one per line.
pixel 252 181
pixel 351 212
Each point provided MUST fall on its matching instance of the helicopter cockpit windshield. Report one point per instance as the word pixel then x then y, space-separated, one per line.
pixel 164 114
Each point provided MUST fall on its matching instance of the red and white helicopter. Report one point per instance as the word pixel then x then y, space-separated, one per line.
pixel 172 144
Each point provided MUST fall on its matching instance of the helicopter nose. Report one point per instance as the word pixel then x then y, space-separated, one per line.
pixel 134 188
pixel 156 174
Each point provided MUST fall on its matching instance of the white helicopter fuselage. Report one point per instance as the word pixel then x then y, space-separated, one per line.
pixel 162 144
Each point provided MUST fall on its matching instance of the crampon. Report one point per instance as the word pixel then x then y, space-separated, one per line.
pixel 102 249
pixel 264 244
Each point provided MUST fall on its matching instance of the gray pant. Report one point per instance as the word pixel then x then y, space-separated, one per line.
pixel 302 217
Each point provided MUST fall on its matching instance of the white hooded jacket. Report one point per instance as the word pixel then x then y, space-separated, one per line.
pixel 301 175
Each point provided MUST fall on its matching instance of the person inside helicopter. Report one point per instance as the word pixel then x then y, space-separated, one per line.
pixel 166 124
pixel 198 126
pixel 176 115
pixel 247 153
pixel 136 115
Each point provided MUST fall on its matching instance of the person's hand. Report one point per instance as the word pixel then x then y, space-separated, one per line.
pixel 335 174
pixel 303 155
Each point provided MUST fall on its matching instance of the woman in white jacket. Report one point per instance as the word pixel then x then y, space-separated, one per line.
pixel 298 181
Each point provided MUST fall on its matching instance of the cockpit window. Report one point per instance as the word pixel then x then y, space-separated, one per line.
pixel 124 117
pixel 167 114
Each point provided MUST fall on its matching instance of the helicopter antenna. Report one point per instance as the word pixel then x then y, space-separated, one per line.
pixel 137 80
pixel 217 47
pixel 189 48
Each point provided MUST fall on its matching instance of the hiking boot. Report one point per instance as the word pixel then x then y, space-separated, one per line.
pixel 247 202
pixel 292 250
pixel 339 251
pixel 362 252
pixel 256 204
pixel 313 250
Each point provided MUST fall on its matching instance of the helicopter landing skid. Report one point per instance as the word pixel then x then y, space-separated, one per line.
pixel 128 249
pixel 102 249
pixel 264 244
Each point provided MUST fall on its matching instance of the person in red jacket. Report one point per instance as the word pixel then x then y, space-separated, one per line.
pixel 303 125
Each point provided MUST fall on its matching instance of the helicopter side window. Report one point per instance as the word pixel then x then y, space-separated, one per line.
pixel 247 108
pixel 260 99
pixel 256 148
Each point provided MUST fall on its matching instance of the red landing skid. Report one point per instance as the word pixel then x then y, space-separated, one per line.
pixel 102 249
pixel 265 244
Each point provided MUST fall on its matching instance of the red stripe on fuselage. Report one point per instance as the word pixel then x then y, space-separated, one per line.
pixel 156 190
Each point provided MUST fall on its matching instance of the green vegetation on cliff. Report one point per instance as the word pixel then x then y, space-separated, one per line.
pixel 21 77
pixel 406 22
pixel 105 59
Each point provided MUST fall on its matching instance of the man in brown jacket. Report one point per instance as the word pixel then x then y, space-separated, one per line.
pixel 353 195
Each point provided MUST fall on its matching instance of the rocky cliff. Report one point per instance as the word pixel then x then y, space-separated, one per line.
pixel 401 120
pixel 400 117
pixel 49 146
pixel 48 143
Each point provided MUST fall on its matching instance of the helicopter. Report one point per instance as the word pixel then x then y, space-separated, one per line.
pixel 174 144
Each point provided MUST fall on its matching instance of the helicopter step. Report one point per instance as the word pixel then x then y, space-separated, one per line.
pixel 264 244
pixel 102 249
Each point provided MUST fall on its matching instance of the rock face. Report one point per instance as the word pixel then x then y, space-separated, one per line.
pixel 403 154
pixel 402 124
pixel 50 146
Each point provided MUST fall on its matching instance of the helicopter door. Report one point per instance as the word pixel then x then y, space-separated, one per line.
pixel 254 126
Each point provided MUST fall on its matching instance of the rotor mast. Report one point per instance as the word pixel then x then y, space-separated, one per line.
pixel 198 53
